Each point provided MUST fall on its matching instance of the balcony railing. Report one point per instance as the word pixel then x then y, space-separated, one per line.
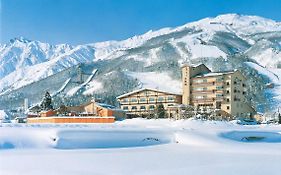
pixel 207 100
pixel 202 83
pixel 202 92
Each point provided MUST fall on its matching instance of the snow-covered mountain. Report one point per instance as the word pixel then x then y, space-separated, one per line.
pixel 224 42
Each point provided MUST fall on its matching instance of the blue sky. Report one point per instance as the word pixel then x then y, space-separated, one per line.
pixel 88 21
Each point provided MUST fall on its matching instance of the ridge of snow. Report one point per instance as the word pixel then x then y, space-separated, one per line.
pixel 22 58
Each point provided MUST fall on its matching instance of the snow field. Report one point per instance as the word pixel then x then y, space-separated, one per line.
pixel 179 147
pixel 127 134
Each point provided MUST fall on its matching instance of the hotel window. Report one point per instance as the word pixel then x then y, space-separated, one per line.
pixel 147 93
pixel 125 108
pixel 200 97
pixel 134 108
pixel 125 100
pixel 219 87
pixel 160 99
pixel 200 80
pixel 134 100
pixel 151 107
pixel 151 99
pixel 219 79
pixel 142 108
pixel 219 95
pixel 142 99
pixel 170 98
pixel 200 89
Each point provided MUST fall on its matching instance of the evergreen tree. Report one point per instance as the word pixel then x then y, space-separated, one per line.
pixel 46 103
pixel 160 111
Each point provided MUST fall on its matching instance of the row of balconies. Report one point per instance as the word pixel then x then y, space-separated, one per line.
pixel 216 83
pixel 206 83
pixel 208 91
pixel 218 99
pixel 216 92
pixel 208 99
pixel 213 91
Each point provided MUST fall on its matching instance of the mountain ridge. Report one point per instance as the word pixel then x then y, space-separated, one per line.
pixel 223 42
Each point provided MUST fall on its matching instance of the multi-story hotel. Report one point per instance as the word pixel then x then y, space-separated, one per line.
pixel 217 90
pixel 145 101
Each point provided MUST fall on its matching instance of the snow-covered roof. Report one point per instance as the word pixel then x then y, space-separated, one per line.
pixel 104 105
pixel 143 89
pixel 211 74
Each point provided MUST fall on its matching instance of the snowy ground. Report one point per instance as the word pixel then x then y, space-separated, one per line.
pixel 139 146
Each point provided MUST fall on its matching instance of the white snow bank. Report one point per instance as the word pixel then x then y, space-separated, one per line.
pixel 25 138
pixel 74 139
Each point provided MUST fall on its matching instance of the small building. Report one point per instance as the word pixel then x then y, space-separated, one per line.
pixel 143 102
pixel 20 119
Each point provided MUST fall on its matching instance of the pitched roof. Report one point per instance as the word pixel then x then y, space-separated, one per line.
pixel 143 89
pixel 107 106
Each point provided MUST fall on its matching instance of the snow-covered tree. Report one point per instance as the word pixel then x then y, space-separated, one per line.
pixel 160 111
pixel 46 103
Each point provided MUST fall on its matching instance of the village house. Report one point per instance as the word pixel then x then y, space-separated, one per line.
pixel 143 102
pixel 215 90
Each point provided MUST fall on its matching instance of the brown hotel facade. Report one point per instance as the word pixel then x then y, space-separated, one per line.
pixel 145 101
pixel 201 89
